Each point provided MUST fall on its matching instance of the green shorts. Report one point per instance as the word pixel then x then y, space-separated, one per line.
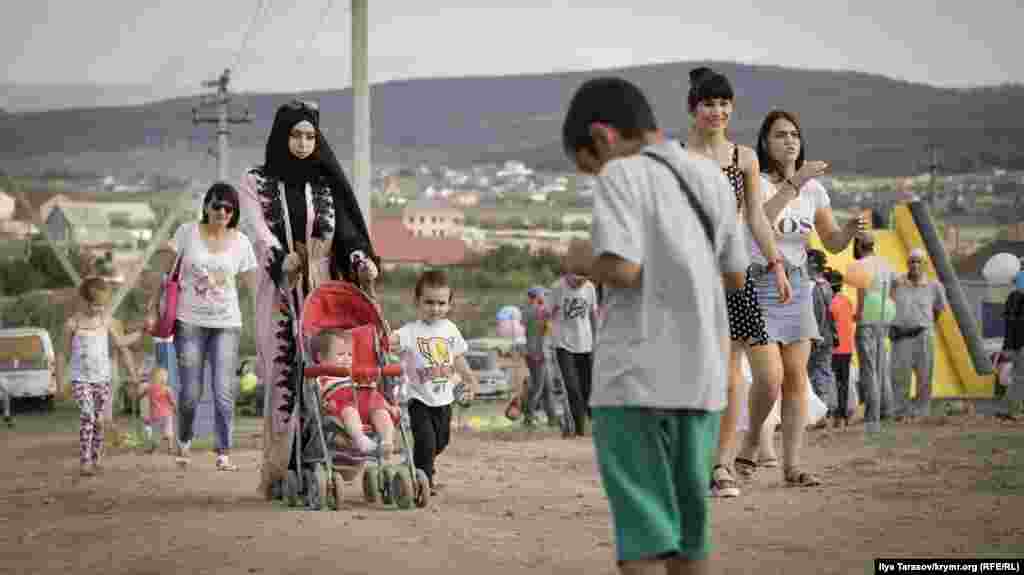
pixel 655 465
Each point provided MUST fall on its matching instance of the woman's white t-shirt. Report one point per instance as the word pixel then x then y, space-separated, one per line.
pixel 428 357
pixel 794 223
pixel 208 292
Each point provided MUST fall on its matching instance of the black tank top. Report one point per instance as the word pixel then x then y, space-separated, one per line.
pixel 735 175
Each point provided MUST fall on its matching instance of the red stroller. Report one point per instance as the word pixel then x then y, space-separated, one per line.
pixel 328 459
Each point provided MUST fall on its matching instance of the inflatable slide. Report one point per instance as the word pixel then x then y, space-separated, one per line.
pixel 962 370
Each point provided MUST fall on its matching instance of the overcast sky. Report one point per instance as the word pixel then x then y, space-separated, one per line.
pixel 175 45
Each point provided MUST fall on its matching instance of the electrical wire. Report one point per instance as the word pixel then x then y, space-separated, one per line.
pixel 262 6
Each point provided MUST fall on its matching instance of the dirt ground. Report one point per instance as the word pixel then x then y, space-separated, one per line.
pixel 512 503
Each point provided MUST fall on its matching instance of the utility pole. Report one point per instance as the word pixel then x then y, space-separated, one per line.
pixel 933 168
pixel 361 145
pixel 223 119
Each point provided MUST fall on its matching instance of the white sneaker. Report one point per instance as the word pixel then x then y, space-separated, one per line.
pixel 365 444
pixel 183 458
pixel 723 484
pixel 224 464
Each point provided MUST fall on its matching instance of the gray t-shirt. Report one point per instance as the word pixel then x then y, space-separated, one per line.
pixel 916 304
pixel 664 344
pixel 572 309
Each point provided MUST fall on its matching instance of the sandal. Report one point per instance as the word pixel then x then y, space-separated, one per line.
pixel 770 462
pixel 799 478
pixel 224 464
pixel 745 467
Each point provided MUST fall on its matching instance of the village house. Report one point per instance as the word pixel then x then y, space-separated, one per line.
pixel 398 246
pixel 433 219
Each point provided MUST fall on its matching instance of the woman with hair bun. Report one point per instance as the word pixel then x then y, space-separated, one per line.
pixel 710 104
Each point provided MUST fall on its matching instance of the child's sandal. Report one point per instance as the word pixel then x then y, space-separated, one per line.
pixel 744 467
pixel 799 478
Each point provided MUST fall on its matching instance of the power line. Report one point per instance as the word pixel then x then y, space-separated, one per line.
pixel 316 36
pixel 261 6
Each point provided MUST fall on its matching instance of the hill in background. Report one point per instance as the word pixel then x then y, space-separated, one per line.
pixel 860 123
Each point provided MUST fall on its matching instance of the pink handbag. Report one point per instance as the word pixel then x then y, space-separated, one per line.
pixel 168 310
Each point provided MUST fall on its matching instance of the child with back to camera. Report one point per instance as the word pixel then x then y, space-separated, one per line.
pixel 350 405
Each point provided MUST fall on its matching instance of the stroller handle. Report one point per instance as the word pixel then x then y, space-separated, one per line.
pixel 390 370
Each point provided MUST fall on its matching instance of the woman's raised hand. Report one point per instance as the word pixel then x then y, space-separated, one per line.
pixel 808 171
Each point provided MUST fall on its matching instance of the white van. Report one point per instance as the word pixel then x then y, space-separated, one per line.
pixel 27 365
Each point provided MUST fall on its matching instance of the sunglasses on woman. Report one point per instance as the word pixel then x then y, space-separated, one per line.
pixel 303 105
pixel 222 206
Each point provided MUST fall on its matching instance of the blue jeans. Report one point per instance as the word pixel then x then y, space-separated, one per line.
pixel 196 346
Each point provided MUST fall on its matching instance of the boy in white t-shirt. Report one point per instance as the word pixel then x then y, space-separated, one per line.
pixel 661 353
pixel 574 315
pixel 433 352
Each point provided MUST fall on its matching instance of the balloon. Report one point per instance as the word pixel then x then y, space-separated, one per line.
pixel 510 312
pixel 248 382
pixel 1001 268
pixel 859 274
pixel 508 328
pixel 873 308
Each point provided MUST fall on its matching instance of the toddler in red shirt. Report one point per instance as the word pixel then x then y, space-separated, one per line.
pixel 350 404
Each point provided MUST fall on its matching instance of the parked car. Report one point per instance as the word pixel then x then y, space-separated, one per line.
pixel 494 381
pixel 27 365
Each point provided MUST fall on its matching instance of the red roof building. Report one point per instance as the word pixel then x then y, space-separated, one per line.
pixel 398 246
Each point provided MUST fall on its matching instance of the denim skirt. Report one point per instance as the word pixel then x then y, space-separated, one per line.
pixel 793 321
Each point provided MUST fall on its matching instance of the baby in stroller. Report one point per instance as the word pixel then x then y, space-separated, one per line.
pixel 348 404
pixel 342 324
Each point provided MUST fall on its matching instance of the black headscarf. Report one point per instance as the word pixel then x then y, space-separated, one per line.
pixel 350 231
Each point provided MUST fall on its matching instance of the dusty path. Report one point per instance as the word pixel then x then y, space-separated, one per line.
pixel 952 487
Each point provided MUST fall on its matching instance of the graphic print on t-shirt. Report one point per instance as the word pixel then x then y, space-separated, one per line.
pixel 574 307
pixel 437 362
pixel 794 224
pixel 211 287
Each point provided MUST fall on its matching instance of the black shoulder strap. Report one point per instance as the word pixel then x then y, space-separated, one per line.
pixel 705 221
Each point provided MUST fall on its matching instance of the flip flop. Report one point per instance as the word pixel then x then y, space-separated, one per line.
pixel 799 478
pixel 744 467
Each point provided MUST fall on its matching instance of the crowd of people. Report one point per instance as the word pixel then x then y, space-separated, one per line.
pixel 700 265
pixel 701 248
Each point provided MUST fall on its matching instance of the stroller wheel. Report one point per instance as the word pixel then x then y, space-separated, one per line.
pixel 402 489
pixel 371 483
pixel 422 489
pixel 387 492
pixel 316 487
pixel 291 488
pixel 309 486
pixel 334 491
